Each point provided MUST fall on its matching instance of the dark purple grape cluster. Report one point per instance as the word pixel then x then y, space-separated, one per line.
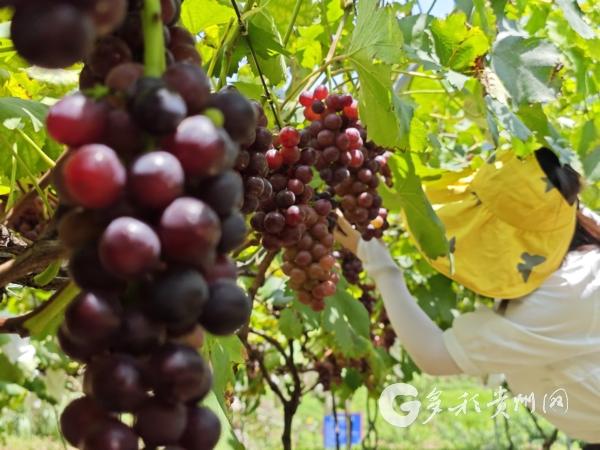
pixel 115 58
pixel 351 266
pixel 346 161
pixel 252 164
pixel 150 210
pixel 102 33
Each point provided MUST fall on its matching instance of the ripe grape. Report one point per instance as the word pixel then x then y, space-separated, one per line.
pixel 110 434
pixel 78 417
pixel 122 134
pixel 177 297
pixel 227 309
pixel 179 373
pixel 94 177
pixel 123 77
pixel 76 120
pixel 129 248
pixel 138 334
pixel 54 35
pixel 156 179
pixel 109 52
pixel 156 108
pixel 115 381
pixel 189 231
pixel 233 232
pixel 92 318
pixel 107 15
pixel 202 430
pixel 79 351
pixel 86 270
pixel 240 116
pixel 160 423
pixel 199 146
pixel 192 83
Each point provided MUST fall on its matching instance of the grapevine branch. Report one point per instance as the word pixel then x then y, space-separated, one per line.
pixel 261 275
pixel 244 31
pixel 290 29
pixel 34 259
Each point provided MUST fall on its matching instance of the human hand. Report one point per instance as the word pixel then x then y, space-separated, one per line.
pixel 345 234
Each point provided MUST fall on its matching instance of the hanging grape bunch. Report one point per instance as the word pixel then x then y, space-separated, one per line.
pixel 299 221
pixel 346 161
pixel 149 210
pixel 252 165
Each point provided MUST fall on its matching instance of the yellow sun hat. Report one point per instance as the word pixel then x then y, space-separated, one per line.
pixel 509 228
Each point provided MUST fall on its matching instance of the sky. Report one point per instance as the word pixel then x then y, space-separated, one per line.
pixel 440 9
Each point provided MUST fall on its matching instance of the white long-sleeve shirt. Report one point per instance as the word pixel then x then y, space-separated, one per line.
pixel 546 341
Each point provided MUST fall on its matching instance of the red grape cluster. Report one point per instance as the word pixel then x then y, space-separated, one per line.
pixel 150 210
pixel 298 220
pixel 252 165
pixel 346 161
pixel 330 369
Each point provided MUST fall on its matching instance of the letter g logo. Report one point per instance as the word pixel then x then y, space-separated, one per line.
pixel 386 405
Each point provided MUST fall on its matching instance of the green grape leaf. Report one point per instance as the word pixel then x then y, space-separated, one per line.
pixel 290 324
pixel 10 372
pixel 309 45
pixel 376 44
pixel 348 322
pixel 484 18
pixel 266 41
pixel 527 67
pixel 197 15
pixel 223 353
pixel 386 115
pixel 457 45
pixel 407 195
pixel 437 298
pixel 228 439
pixel 591 166
pixel 23 123
pixel 534 117
pixel 47 322
pixel 509 120
pixel 573 14
pixel 376 33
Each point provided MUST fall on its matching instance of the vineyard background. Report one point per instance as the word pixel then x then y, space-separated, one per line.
pixel 442 92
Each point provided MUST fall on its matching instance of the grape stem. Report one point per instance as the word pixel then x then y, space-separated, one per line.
pixel 154 40
pixel 290 28
pixel 36 258
pixel 245 33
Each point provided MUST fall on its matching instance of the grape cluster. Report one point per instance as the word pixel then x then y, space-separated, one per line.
pixel 253 167
pixel 300 221
pixel 149 209
pixel 351 266
pixel 346 161
pixel 116 58
pixel 100 32
pixel 331 367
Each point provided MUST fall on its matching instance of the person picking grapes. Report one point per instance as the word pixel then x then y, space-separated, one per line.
pixel 517 234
